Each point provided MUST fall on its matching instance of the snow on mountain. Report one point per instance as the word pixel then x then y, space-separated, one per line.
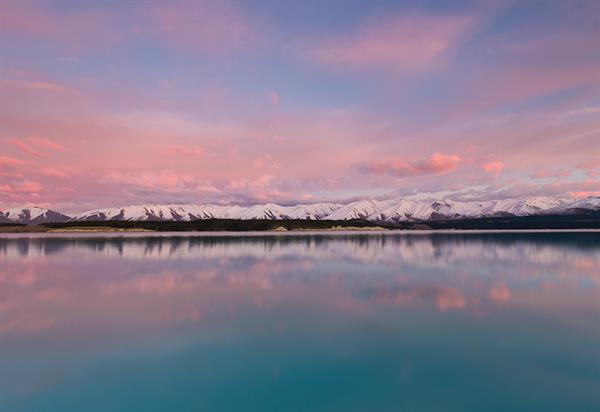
pixel 193 212
pixel 362 209
pixel 32 215
pixel 405 209
pixel 142 212
pixel 401 210
pixel 411 208
pixel 523 207
pixel 590 204
pixel 314 211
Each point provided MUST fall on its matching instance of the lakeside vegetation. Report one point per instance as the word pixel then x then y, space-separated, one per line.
pixel 589 220
pixel 221 225
pixel 581 221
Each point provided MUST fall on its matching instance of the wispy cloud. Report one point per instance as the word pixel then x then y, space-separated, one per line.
pixel 493 167
pixel 401 43
pixel 34 146
pixel 10 161
pixel 182 150
pixel 437 163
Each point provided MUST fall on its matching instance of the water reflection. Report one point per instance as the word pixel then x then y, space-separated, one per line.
pixel 447 271
pixel 68 301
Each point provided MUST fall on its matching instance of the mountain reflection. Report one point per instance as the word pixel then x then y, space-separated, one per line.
pixel 539 247
pixel 107 285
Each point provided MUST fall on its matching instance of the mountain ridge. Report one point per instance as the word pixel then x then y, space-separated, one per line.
pixel 403 209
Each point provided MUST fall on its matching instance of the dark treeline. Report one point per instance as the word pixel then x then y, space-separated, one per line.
pixel 234 225
pixel 581 221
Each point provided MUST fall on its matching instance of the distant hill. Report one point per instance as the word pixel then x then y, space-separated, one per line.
pixel 32 215
pixel 417 209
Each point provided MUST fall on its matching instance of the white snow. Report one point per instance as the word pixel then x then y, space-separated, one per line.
pixel 32 214
pixel 402 209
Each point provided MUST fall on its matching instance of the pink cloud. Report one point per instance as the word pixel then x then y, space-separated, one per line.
pixel 584 194
pixel 493 167
pixel 52 172
pixel 437 163
pixel 28 187
pixel 274 98
pixel 34 85
pixel 589 165
pixel 211 26
pixel 400 43
pixel 265 162
pixel 556 188
pixel 44 142
pixel 521 76
pixel 189 151
pixel 163 181
pixel 235 156
pixel 9 161
pixel 206 26
pixel 26 148
pixel 72 30
pixel 31 146
pixel 545 174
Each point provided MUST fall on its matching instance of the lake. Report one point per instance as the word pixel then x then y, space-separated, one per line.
pixel 300 322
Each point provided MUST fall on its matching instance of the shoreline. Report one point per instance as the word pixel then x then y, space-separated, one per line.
pixel 42 230
pixel 291 233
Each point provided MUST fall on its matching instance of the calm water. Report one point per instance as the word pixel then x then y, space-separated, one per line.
pixel 344 322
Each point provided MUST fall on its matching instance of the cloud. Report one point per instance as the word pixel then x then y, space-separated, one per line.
pixel 22 187
pixel 11 162
pixel 29 186
pixel 181 150
pixel 493 167
pixel 584 194
pixel 274 98
pixel 163 180
pixel 52 172
pixel 404 43
pixel 583 111
pixel 556 188
pixel 265 162
pixel 34 85
pixel 24 147
pixel 193 26
pixel 31 146
pixel 589 165
pixel 545 174
pixel 44 142
pixel 437 163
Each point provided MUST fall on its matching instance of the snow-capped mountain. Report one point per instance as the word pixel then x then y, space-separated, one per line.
pixel 413 208
pixel 362 209
pixel 590 204
pixel 32 215
pixel 525 207
pixel 193 212
pixel 417 208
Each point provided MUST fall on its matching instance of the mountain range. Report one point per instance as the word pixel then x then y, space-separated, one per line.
pixel 405 209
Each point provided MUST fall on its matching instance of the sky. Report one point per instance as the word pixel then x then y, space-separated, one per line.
pixel 115 103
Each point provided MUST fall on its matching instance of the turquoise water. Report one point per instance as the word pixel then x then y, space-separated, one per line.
pixel 315 322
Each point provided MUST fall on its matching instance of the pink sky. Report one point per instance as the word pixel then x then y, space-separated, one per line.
pixel 114 104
